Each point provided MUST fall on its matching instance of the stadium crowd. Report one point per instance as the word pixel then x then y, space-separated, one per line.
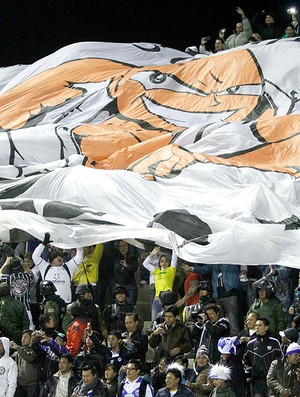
pixel 214 330
pixel 72 323
pixel 263 26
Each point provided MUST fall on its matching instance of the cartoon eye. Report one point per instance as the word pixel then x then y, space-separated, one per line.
pixel 233 90
pixel 156 80
pixel 250 89
pixel 158 77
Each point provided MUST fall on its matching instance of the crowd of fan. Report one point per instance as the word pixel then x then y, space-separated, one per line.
pixel 71 324
pixel 263 26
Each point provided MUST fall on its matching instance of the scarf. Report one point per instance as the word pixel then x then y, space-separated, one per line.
pixel 84 389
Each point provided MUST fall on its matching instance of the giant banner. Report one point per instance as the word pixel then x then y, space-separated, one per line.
pixel 101 141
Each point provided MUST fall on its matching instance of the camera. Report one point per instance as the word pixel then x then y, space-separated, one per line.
pixel 292 11
pixel 194 316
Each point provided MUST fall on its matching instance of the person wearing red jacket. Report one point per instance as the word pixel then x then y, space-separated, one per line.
pixel 76 329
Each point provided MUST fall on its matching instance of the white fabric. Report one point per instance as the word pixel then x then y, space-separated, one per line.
pixel 232 200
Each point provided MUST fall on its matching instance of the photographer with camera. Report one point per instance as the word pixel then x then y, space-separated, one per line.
pixel 191 313
pixel 28 366
pixel 209 328
pixel 172 336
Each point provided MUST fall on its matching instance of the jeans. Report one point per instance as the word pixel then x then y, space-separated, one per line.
pixel 105 284
pixel 259 388
pixel 156 308
pixel 230 305
pixel 133 293
pixel 27 391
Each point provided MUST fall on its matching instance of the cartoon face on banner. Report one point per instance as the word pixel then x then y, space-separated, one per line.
pixel 158 99
pixel 124 116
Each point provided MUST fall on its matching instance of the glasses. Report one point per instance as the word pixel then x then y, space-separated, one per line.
pixel 130 369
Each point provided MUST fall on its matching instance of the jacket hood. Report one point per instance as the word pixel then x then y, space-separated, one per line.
pixel 5 341
pixel 4 289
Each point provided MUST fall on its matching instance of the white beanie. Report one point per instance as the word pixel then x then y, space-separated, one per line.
pixel 219 372
pixel 293 348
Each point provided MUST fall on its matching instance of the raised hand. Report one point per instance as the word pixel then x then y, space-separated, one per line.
pixel 240 11
pixel 155 251
pixel 47 240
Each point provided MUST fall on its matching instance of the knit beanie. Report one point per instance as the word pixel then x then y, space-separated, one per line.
pixel 292 349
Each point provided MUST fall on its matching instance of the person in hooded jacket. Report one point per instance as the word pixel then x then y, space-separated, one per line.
pixel 269 306
pixel 76 329
pixel 92 352
pixel 283 378
pixel 52 304
pixel 8 370
pixel 13 315
pixel 89 309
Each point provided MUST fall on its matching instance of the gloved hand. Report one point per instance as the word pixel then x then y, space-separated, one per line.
pixel 47 240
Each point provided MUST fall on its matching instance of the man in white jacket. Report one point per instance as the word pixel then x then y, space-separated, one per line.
pixel 8 370
pixel 241 34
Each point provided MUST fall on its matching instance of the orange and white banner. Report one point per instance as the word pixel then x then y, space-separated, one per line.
pixel 145 142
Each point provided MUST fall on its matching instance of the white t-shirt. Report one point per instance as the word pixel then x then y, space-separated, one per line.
pixel 59 275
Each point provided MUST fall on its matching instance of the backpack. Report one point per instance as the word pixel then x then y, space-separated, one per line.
pixel 63 265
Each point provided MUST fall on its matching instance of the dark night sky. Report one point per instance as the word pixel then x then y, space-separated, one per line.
pixel 33 29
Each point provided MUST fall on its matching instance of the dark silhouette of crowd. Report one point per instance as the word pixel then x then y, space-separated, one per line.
pixel 264 25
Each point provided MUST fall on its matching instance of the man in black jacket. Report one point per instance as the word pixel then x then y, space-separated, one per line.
pixel 135 341
pixel 259 354
pixel 114 315
pixel 90 384
pixel 209 328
